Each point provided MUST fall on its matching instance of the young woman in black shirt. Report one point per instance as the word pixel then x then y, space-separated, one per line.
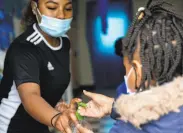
pixel 36 71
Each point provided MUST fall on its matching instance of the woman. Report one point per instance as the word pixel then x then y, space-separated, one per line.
pixel 154 65
pixel 36 72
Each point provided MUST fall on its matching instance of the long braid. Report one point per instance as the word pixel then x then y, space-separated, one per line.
pixel 163 30
pixel 165 53
pixel 150 47
pixel 169 39
pixel 179 28
pixel 159 54
pixel 134 36
pixel 178 56
pixel 142 57
pixel 146 57
pixel 147 65
pixel 131 29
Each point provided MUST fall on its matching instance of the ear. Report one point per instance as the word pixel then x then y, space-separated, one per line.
pixel 34 7
pixel 138 69
pixel 35 11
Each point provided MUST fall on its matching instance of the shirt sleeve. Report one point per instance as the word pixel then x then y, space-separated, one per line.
pixel 25 66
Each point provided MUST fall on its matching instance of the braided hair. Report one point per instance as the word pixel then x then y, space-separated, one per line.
pixel 160 32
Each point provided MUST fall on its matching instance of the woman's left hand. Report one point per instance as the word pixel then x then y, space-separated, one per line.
pixel 62 105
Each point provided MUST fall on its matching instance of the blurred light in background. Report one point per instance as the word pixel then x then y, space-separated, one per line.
pixel 1 15
pixel 117 27
pixel 107 22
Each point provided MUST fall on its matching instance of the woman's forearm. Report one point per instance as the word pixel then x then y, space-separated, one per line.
pixel 39 109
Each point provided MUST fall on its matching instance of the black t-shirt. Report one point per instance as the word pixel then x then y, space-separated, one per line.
pixel 31 59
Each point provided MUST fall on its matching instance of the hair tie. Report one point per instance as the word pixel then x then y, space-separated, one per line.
pixel 142 11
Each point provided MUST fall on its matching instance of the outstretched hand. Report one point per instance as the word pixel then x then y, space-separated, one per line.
pixel 98 107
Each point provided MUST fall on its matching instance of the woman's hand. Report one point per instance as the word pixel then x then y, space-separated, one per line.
pixel 61 106
pixel 64 120
pixel 67 117
pixel 98 107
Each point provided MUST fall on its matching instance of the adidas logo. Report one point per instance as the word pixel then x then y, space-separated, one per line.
pixel 50 66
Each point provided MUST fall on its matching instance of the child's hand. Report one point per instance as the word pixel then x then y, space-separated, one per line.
pixel 98 107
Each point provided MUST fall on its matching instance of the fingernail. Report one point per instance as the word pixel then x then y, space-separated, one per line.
pixel 78 125
pixel 79 99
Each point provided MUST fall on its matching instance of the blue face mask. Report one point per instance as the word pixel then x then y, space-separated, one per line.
pixel 126 77
pixel 53 26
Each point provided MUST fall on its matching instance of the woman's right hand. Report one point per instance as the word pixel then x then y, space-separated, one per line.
pixel 63 121
pixel 67 117
pixel 98 107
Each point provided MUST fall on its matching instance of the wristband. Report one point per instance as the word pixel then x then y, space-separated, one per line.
pixel 53 118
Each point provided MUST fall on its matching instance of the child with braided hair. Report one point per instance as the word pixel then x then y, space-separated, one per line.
pixel 152 55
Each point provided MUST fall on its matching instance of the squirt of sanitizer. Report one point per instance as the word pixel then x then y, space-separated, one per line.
pixel 81 119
